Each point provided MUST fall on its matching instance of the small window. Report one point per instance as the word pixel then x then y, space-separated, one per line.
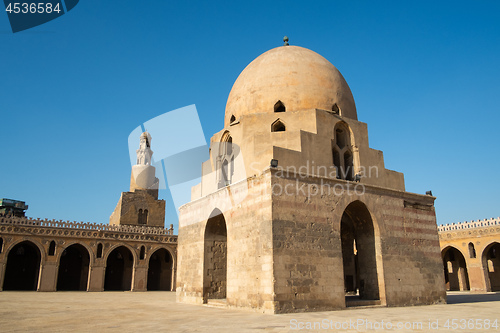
pixel 143 252
pixel 278 126
pixel 335 109
pixel 233 119
pixel 279 107
pixel 472 250
pixel 52 248
pixel 99 250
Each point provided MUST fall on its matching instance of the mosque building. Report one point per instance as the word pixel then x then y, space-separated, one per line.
pixel 294 211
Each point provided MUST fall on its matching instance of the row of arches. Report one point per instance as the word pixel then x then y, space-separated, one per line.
pixel 457 267
pixel 22 270
pixel 359 256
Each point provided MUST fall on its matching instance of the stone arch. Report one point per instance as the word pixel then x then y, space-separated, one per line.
pixel 279 107
pixel 455 269
pixel 74 267
pixel 120 261
pixel 160 269
pixel 278 126
pixel 22 270
pixel 215 257
pixel 360 243
pixel 490 259
pixel 343 154
pixel 225 160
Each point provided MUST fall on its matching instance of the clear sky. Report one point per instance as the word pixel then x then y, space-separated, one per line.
pixel 424 75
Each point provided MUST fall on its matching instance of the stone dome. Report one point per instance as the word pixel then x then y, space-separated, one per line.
pixel 298 77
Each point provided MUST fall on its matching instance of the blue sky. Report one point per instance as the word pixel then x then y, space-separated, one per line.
pixel 424 76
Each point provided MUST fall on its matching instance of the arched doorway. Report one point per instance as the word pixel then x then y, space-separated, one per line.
pixel 455 270
pixel 361 280
pixel 23 267
pixel 73 268
pixel 119 266
pixel 160 271
pixel 215 258
pixel 491 264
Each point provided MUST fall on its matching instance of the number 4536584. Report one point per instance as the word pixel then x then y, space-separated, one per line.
pixel 32 8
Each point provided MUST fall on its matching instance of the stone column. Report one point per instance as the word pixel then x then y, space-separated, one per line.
pixel 476 275
pixel 2 271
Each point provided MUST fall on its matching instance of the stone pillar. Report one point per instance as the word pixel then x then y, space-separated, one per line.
pixel 140 278
pixel 48 276
pixel 96 277
pixel 476 275
pixel 2 271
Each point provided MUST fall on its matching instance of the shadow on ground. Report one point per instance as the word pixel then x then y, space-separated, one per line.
pixel 457 298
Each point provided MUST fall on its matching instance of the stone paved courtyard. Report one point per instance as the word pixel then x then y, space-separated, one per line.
pixel 158 312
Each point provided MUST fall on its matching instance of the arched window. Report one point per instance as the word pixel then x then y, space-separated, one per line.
pixel 225 161
pixel 143 252
pixel 52 248
pixel 279 107
pixel 99 250
pixel 278 126
pixel 472 250
pixel 233 119
pixel 342 154
pixel 335 109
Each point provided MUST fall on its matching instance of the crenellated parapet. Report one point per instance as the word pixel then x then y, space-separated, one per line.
pixel 85 229
pixel 469 225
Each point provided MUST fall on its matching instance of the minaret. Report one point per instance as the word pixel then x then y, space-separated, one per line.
pixel 143 173
pixel 140 206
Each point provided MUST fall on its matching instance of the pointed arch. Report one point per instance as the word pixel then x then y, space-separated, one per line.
pixel 278 126
pixel 359 253
pixel 491 266
pixel 215 257
pixel 23 267
pixel 160 268
pixel 279 107
pixel 233 119
pixel 119 267
pixel 74 264
pixel 455 269
pixel 342 151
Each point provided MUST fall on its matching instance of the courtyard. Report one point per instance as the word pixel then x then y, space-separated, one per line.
pixel 158 312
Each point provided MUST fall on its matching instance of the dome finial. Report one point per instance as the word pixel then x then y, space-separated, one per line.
pixel 285 39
